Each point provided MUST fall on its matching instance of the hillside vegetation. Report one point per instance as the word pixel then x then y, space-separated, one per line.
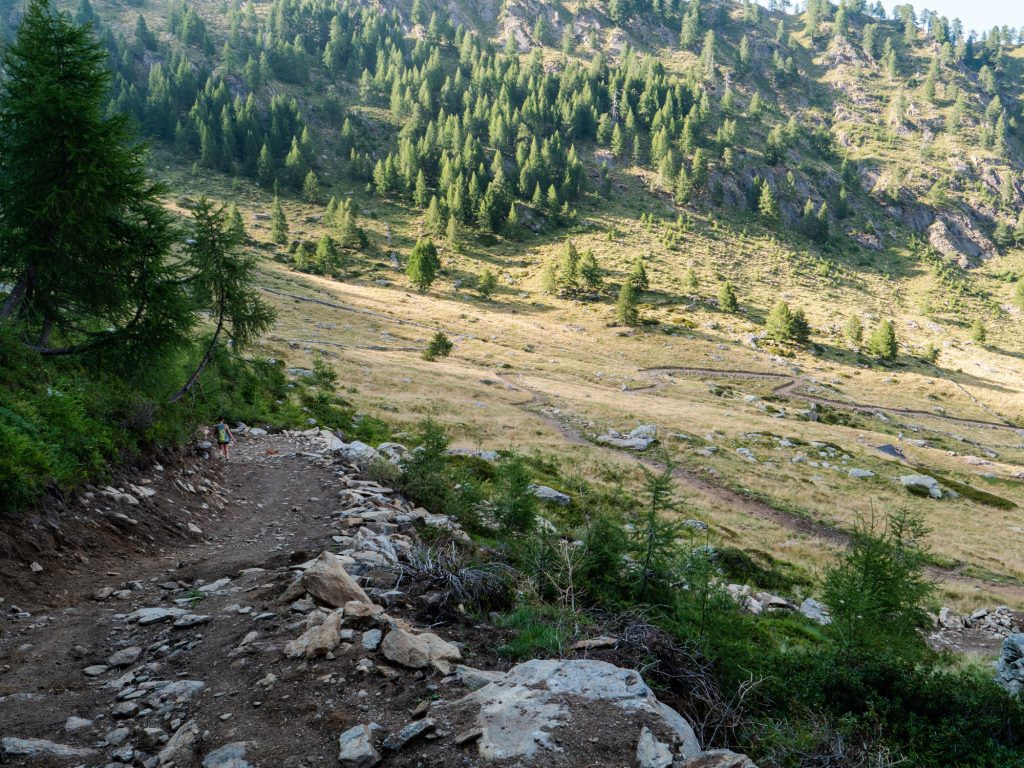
pixel 724 280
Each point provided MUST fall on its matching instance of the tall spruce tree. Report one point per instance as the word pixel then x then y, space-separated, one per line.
pixel 83 236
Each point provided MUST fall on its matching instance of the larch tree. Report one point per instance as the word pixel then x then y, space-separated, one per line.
pixel 221 285
pixel 84 238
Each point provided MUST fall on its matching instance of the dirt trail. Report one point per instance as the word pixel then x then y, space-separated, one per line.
pixel 693 480
pixel 791 384
pixel 278 507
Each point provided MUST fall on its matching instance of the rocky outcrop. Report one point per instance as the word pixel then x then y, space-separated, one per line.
pixel 1010 666
pixel 957 237
pixel 521 714
pixel 639 439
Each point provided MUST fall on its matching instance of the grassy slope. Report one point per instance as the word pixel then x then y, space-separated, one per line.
pixel 567 352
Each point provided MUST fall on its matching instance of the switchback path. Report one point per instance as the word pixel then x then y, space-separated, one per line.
pixel 790 385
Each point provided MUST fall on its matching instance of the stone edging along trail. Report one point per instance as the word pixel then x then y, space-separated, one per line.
pixel 790 384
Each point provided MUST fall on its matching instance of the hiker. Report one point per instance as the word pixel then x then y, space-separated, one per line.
pixel 224 438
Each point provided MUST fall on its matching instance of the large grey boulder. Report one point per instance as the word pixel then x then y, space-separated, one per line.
pixel 418 651
pixel 522 712
pixel 719 758
pixel 923 482
pixel 329 583
pixel 544 493
pixel 317 640
pixel 1010 666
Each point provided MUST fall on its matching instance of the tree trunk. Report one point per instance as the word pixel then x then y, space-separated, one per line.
pixel 202 364
pixel 18 293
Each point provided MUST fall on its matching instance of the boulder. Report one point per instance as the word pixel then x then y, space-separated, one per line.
pixel 815 611
pixel 638 439
pixel 924 483
pixel 393 452
pixel 328 582
pixel 719 758
pixel 125 657
pixel 358 453
pixel 410 733
pixel 475 679
pixel 181 745
pixel 1010 666
pixel 356 748
pixel 522 712
pixel 145 616
pixel 417 651
pixel 229 756
pixel 861 473
pixel 544 493
pixel 651 753
pixel 11 746
pixel 318 640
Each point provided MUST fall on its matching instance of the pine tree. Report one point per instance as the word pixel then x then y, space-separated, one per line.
pixel 420 193
pixel 487 284
pixel 854 331
pixel 423 265
pixel 638 276
pixel 800 328
pixel 433 220
pixel 84 236
pixel 569 269
pixel 590 272
pixel 779 323
pixel 278 222
pixel 626 310
pixel 727 301
pixel 882 343
pixel 454 233
pixel 265 167
pixel 978 332
pixel 236 227
pixel 549 278
pixel 311 188
pixel 513 229
pixel 329 259
pixel 143 35
pixel 767 206
pixel 690 282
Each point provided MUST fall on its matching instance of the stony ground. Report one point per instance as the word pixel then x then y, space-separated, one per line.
pixel 187 641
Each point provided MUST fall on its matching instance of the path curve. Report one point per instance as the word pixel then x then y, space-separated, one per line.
pixel 692 479
pixel 790 384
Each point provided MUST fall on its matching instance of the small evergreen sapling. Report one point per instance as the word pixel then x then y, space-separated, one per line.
pixel 440 346
pixel 423 265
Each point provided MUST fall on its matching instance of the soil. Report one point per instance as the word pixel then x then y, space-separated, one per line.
pixel 261 514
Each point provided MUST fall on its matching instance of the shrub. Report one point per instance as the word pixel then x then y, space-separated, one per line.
pixel 515 506
pixel 440 346
pixel 878 586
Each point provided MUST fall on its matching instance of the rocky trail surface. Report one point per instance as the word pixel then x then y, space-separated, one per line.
pixel 270 615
